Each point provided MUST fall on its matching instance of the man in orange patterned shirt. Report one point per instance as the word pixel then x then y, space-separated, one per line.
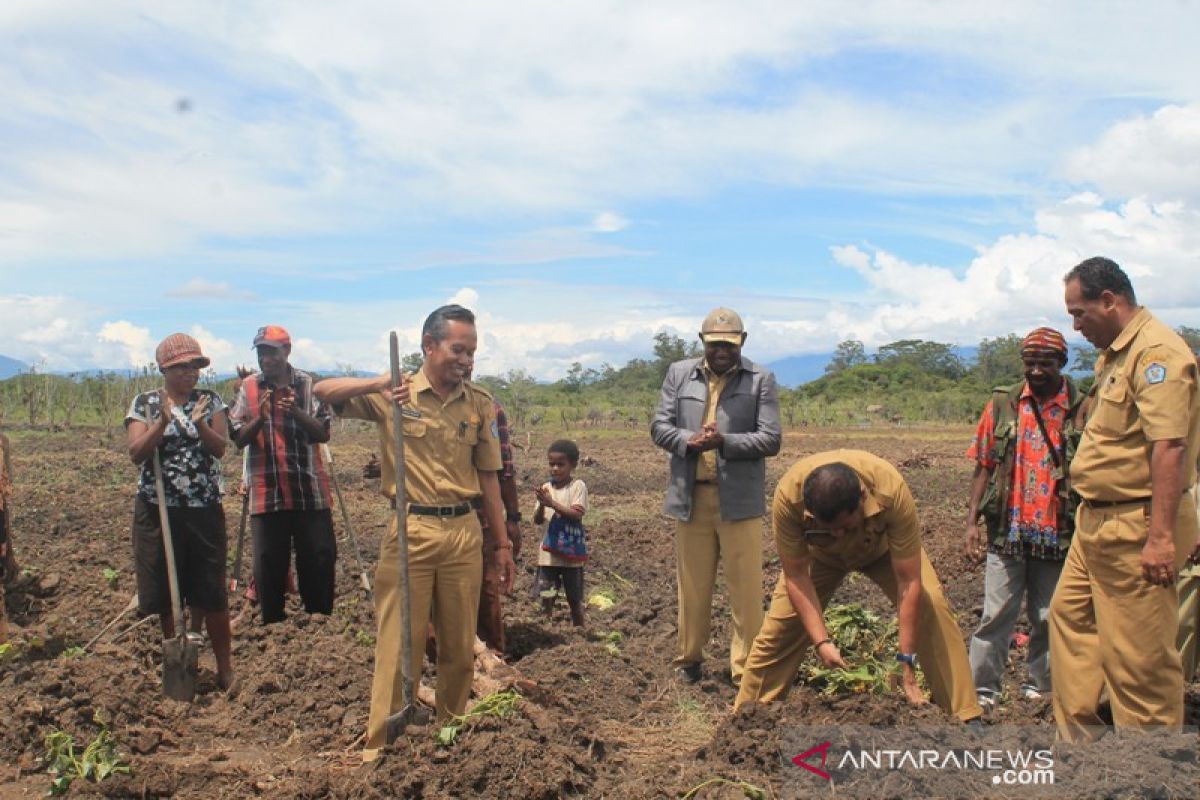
pixel 1026 438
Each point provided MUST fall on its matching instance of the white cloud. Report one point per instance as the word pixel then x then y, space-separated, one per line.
pixel 200 289
pixel 609 222
pixel 133 340
pixel 1157 156
pixel 310 118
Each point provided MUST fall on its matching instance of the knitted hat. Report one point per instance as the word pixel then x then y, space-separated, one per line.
pixel 1045 339
pixel 179 348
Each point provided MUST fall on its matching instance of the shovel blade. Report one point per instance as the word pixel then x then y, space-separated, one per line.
pixel 181 658
pixel 409 715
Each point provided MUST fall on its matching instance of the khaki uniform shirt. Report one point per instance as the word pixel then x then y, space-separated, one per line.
pixel 706 467
pixel 1145 391
pixel 890 515
pixel 445 444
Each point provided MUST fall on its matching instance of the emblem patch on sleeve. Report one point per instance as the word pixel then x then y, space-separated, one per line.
pixel 1156 373
pixel 495 430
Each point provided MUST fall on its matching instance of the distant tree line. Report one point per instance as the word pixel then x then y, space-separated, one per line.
pixel 909 380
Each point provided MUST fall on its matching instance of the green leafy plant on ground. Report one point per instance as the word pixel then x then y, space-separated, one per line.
pixel 111 577
pixel 496 704
pixel 74 652
pixel 867 644
pixel 612 642
pixel 98 761
pixel 8 652
pixel 365 639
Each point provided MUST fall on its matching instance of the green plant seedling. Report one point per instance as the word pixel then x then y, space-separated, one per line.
pixel 602 599
pixel 99 760
pixel 74 652
pixel 496 704
pixel 112 577
pixel 8 652
pixel 365 639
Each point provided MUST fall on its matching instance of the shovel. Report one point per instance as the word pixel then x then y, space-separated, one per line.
pixel 411 713
pixel 181 655
pixel 363 580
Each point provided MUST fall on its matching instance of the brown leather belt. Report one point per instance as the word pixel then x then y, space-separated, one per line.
pixel 1135 501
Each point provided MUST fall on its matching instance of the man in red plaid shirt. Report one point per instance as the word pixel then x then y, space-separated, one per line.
pixel 277 417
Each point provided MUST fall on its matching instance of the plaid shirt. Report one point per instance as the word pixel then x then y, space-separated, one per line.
pixel 284 471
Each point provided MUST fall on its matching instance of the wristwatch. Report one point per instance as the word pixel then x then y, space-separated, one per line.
pixel 513 516
pixel 907 658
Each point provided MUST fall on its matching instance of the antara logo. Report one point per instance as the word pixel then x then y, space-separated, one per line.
pixel 802 759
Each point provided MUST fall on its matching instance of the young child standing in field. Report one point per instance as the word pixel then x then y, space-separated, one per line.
pixel 562 502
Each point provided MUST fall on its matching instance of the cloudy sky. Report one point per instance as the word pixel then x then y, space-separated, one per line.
pixel 583 175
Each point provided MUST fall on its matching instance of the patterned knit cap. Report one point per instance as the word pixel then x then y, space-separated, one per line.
pixel 1045 339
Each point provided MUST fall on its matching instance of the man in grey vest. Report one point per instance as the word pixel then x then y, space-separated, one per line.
pixel 718 417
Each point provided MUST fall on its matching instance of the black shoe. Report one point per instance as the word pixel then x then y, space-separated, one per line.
pixel 689 672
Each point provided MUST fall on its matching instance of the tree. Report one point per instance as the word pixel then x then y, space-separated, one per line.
pixel 1085 358
pixel 999 360
pixel 849 353
pixel 932 357
pixel 574 380
pixel 1191 336
pixel 411 362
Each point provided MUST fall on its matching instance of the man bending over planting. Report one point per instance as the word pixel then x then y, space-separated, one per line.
pixel 850 511
pixel 277 416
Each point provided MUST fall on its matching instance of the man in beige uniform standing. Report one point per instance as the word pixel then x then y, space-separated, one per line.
pixel 847 511
pixel 1189 600
pixel 452 456
pixel 1114 616
pixel 718 417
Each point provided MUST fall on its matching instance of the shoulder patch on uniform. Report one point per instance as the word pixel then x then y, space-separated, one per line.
pixel 1156 373
pixel 495 429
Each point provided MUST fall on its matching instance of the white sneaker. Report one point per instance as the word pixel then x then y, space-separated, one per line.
pixel 1030 692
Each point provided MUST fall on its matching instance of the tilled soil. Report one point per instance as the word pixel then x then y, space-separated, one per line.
pixel 602 714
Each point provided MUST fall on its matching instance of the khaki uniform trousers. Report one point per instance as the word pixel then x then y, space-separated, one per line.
pixel 699 544
pixel 1189 611
pixel 782 644
pixel 1110 628
pixel 1189 620
pixel 444 573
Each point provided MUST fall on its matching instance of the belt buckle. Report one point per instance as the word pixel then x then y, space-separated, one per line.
pixel 445 511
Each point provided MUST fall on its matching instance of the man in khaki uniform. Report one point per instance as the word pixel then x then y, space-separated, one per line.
pixel 1189 599
pixel 452 456
pixel 1114 616
pixel 850 511
pixel 718 417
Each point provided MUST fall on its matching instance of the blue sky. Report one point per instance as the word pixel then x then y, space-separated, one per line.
pixel 583 176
